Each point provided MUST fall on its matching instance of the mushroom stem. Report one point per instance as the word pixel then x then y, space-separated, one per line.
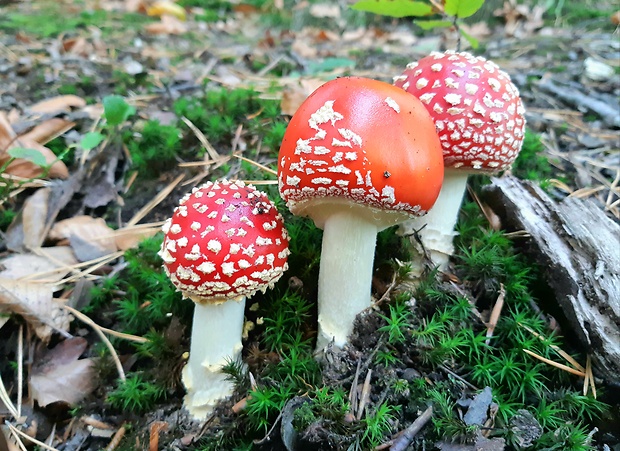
pixel 216 340
pixel 345 274
pixel 436 228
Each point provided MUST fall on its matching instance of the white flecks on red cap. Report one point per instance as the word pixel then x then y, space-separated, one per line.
pixel 477 109
pixel 212 249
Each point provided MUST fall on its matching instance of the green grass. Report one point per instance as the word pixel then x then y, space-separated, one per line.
pixel 49 19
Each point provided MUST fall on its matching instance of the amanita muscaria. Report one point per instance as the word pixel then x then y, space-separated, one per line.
pixel 224 242
pixel 480 121
pixel 358 156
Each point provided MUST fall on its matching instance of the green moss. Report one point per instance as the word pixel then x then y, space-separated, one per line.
pixel 154 149
pixel 532 164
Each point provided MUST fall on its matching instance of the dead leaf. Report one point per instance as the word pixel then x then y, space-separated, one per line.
pixel 293 95
pixel 168 25
pixel 90 237
pixel 130 238
pixel 46 131
pixel 77 46
pixel 165 7
pixel 34 218
pixel 6 440
pixel 58 104
pixel 35 302
pixel 25 168
pixel 18 266
pixel 135 6
pixel 59 376
pixel 304 49
pixel 615 18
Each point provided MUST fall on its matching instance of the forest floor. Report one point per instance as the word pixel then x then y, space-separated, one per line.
pixel 133 110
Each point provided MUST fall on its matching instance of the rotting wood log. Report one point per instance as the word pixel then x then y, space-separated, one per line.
pixel 578 248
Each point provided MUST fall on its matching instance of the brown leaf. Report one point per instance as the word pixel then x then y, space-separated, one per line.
pixel 59 376
pixel 58 104
pixel 168 25
pixel 24 168
pixel 131 237
pixel 6 439
pixel 90 237
pixel 34 301
pixel 34 217
pixel 46 131
pixel 293 95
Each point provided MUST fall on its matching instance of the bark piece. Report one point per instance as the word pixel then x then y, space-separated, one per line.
pixel 578 248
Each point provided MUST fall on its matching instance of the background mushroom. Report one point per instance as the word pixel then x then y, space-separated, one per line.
pixel 358 156
pixel 224 242
pixel 480 121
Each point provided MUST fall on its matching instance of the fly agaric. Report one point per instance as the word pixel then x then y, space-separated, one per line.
pixel 224 242
pixel 358 156
pixel 480 121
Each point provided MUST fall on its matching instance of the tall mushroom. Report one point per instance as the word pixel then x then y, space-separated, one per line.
pixel 224 242
pixel 480 121
pixel 358 156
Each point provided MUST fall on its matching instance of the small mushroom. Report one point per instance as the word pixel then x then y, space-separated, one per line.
pixel 358 156
pixel 224 242
pixel 480 121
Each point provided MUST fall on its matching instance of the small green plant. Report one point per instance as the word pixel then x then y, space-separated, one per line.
pixel 135 395
pixel 264 405
pixel 448 13
pixel 379 424
pixel 154 149
pixel 324 404
pixel 397 322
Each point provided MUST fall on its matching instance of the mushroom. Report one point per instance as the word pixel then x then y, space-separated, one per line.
pixel 358 156
pixel 480 121
pixel 224 242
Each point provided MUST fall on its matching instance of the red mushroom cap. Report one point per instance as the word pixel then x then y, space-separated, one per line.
pixel 362 140
pixel 224 240
pixel 476 108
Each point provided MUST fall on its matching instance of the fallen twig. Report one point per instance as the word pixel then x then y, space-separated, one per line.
pixel 405 438
pixel 116 440
pixel 97 328
pixel 495 313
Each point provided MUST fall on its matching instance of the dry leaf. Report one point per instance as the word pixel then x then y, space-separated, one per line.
pixel 55 259
pixel 165 7
pixel 58 104
pixel 59 376
pixel 24 168
pixel 168 25
pixel 34 301
pixel 6 439
pixel 615 18
pixel 293 95
pixel 89 237
pixel 131 237
pixel 34 217
pixel 46 131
